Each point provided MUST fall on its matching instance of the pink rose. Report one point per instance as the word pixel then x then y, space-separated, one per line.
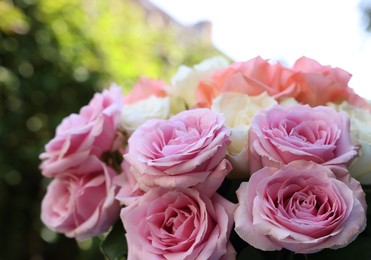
pixel 91 132
pixel 178 224
pixel 144 88
pixel 129 189
pixel 81 205
pixel 301 207
pixel 187 150
pixel 252 77
pixel 280 135
pixel 322 84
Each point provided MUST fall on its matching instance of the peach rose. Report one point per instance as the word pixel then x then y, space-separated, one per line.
pixel 322 84
pixel 307 81
pixel 252 77
pixel 144 88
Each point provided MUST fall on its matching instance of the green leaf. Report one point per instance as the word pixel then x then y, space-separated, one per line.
pixel 115 247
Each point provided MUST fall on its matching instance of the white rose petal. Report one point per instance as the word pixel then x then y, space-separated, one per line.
pixel 361 166
pixel 239 138
pixel 185 81
pixel 134 115
pixel 239 109
pixel 360 129
pixel 289 102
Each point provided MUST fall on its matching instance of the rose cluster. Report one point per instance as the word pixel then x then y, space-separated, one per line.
pixel 295 138
pixel 80 200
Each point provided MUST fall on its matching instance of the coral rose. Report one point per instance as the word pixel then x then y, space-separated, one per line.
pixel 322 84
pixel 307 81
pixel 252 78
pixel 144 88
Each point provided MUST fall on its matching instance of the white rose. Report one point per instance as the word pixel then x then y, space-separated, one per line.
pixel 289 102
pixel 134 115
pixel 185 81
pixel 238 110
pixel 360 129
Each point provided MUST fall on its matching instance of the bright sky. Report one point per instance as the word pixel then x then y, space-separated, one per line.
pixel 329 31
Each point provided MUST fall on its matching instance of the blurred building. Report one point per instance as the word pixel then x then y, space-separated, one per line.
pixel 160 20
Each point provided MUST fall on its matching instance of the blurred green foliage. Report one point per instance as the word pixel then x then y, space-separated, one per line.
pixel 53 56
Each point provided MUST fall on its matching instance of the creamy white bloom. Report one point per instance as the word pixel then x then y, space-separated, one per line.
pixel 185 81
pixel 289 102
pixel 239 109
pixel 134 115
pixel 361 135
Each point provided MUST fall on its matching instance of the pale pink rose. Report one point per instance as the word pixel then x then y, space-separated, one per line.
pixel 144 88
pixel 91 132
pixel 178 224
pixel 322 84
pixel 280 135
pixel 129 189
pixel 81 205
pixel 187 150
pixel 252 77
pixel 302 207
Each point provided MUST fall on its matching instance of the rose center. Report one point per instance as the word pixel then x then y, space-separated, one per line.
pixel 176 220
pixel 303 204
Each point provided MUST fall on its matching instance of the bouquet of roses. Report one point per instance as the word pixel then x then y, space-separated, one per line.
pixel 249 160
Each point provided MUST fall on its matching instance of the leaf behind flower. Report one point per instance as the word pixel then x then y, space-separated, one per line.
pixel 114 247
